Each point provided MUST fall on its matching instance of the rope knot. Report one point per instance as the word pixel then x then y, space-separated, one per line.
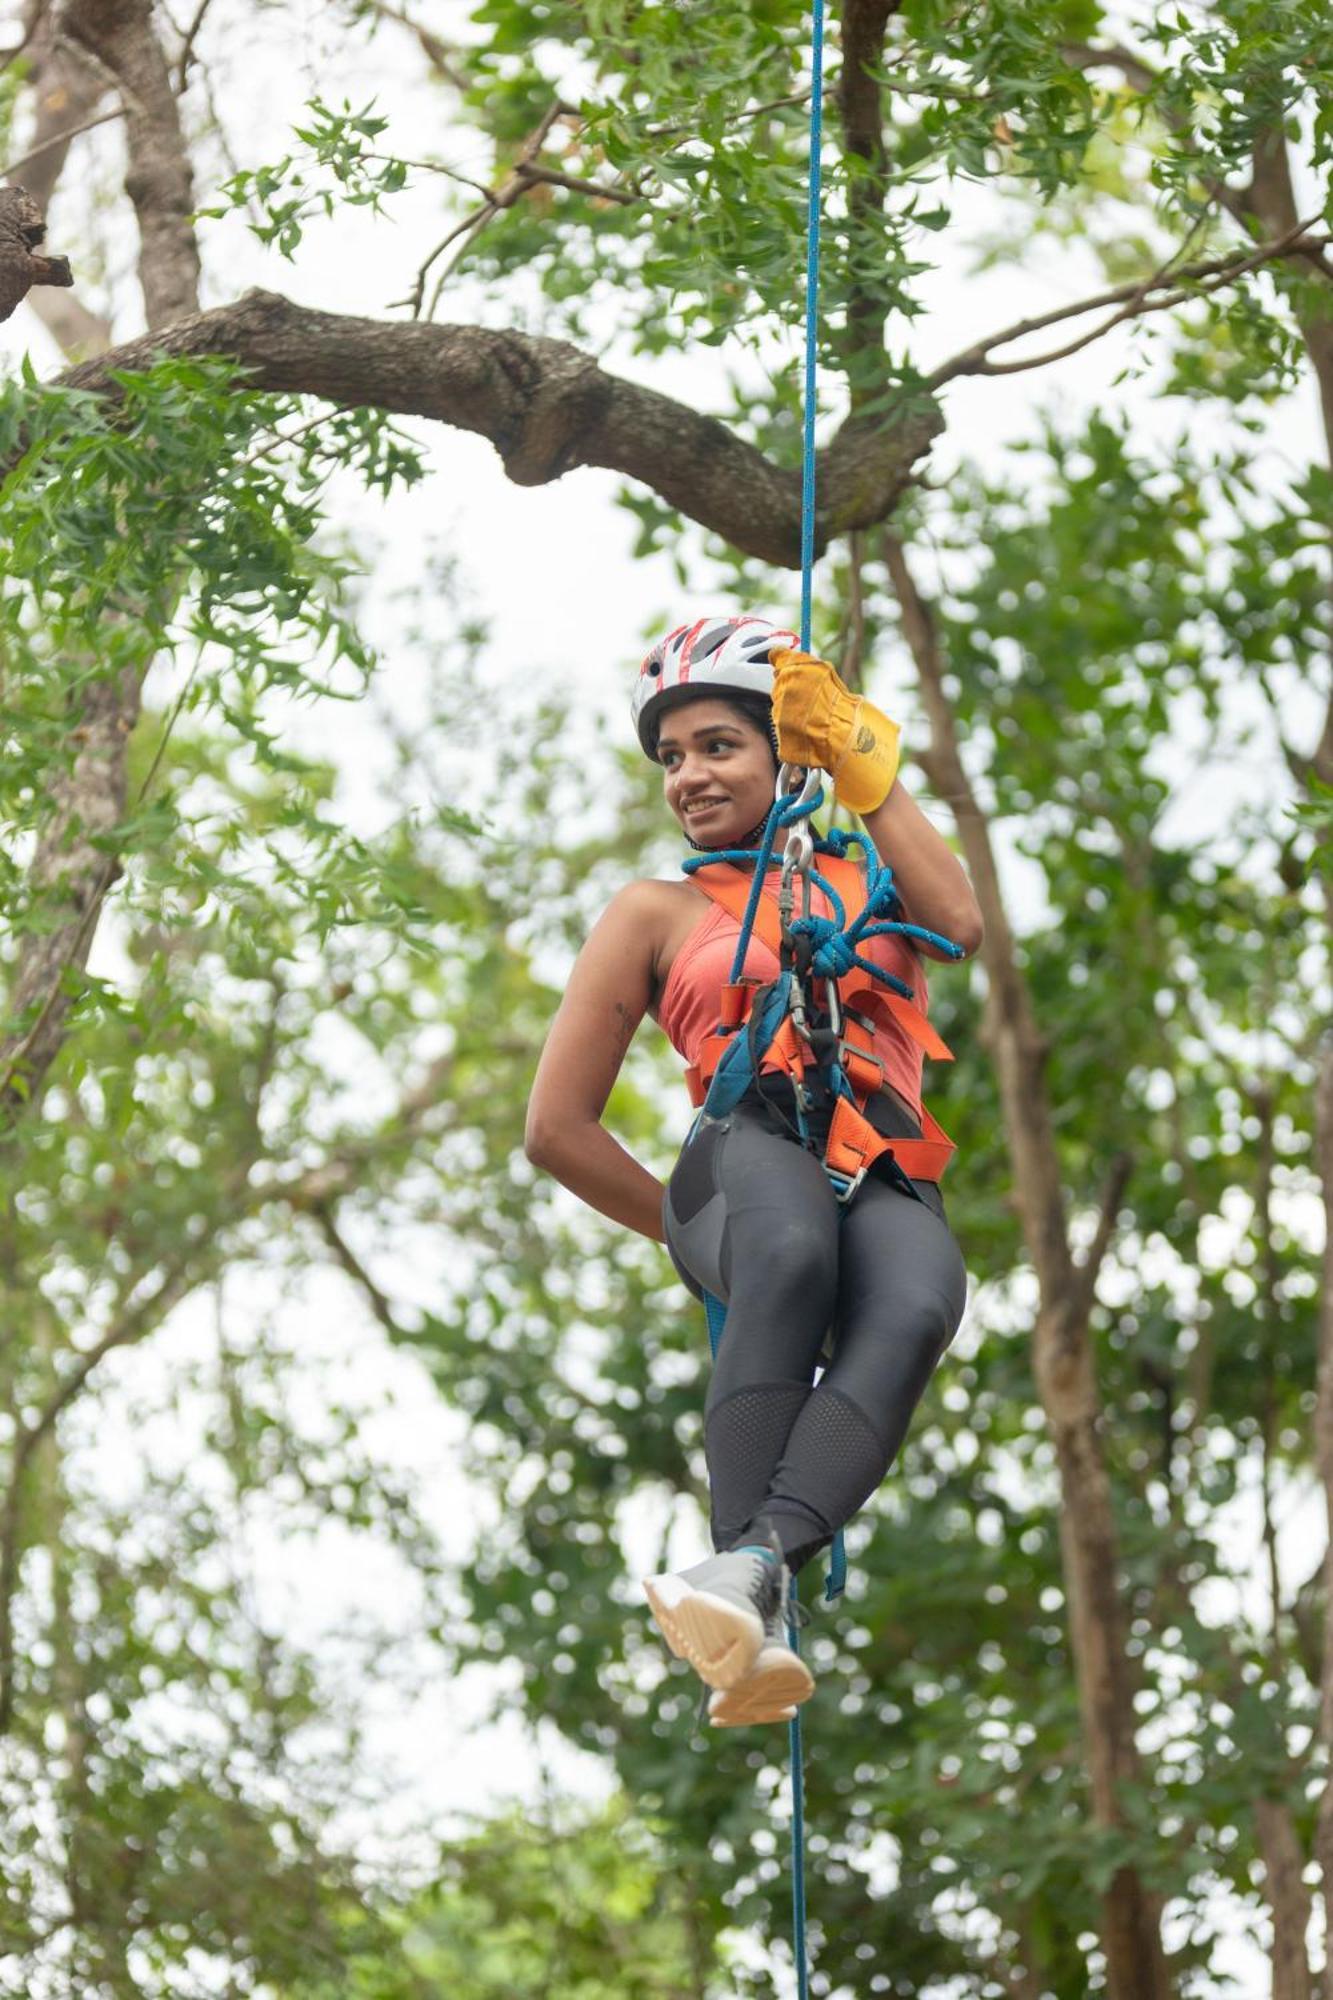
pixel 833 954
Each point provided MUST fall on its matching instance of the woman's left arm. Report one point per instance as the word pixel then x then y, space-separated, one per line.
pixel 931 880
pixel 819 721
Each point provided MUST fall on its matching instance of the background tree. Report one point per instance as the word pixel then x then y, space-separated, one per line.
pixel 1083 1722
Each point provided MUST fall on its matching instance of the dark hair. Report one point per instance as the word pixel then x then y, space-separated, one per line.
pixel 756 709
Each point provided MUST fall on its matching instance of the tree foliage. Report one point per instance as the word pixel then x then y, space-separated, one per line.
pixel 1074 1715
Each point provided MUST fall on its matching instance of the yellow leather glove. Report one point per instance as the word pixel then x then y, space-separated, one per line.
pixel 820 722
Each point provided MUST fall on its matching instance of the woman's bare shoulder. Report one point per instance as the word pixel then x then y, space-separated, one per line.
pixel 655 917
pixel 651 898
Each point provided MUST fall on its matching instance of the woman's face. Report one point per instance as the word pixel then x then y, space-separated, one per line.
pixel 718 771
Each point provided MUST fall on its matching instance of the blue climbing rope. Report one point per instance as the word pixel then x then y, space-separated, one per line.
pixel 811 318
pixel 833 942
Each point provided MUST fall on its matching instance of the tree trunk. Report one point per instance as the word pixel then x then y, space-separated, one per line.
pixel 1062 1353
pixel 1288 1898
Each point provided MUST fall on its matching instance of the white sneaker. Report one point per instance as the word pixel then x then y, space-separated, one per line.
pixel 717 1614
pixel 776 1685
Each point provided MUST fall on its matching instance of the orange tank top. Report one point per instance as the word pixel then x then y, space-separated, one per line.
pixel 692 995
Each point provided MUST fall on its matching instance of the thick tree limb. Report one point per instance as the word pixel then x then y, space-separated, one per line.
pixel 22 262
pixel 547 408
pixel 1323 1442
pixel 70 875
pixel 66 92
pixel 1288 1898
pixel 1271 199
pixel 861 110
pixel 119 36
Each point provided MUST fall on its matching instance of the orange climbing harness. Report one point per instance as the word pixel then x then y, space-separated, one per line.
pixel 864 1002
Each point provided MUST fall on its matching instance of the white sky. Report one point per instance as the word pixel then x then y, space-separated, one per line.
pixel 551 571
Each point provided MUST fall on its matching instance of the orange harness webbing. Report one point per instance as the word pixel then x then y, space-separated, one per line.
pixel 853 1143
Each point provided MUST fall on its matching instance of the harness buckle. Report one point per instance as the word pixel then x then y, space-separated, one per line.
pixel 844 1185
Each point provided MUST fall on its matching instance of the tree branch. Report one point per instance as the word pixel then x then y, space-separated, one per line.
pixel 70 872
pixel 65 94
pixel 1089 1266
pixel 522 177
pixel 179 1279
pixel 1011 1026
pixel 317 1188
pixel 61 138
pixel 1166 288
pixel 861 111
pixel 357 1272
pixel 1061 1351
pixel 547 408
pixel 191 36
pixel 119 35
pixel 1136 72
pixel 1243 203
pixel 437 53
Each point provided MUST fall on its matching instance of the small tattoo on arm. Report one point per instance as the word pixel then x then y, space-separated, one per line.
pixel 625 1026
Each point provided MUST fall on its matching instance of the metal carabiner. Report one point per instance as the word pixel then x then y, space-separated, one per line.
pixel 798 856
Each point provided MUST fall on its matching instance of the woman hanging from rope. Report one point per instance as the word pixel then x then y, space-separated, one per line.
pixel 860 1266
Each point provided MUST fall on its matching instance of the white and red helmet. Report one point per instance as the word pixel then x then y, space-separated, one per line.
pixel 718 656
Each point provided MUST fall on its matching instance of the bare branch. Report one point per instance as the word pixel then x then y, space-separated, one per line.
pixel 601 190
pixel 1165 289
pixel 60 138
pixel 1088 1267
pixel 852 638
pixel 186 57
pixel 496 200
pixel 436 52
pixel 1137 73
pixel 357 1272
pixel 65 93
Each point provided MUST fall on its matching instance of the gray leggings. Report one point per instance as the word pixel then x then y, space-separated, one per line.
pixel 750 1217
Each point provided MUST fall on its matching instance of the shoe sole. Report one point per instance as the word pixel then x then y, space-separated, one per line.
pixel 721 1640
pixel 772 1692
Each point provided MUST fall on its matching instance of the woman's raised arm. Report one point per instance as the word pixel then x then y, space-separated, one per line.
pixel 608 994
pixel 931 880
